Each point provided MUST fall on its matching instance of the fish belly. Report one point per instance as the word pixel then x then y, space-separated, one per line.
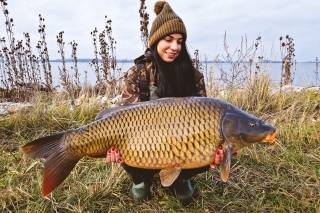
pixel 155 135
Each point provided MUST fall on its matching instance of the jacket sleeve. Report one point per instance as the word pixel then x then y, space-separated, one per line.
pixel 130 91
pixel 200 85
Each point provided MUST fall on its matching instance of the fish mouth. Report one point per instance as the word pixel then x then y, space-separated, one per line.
pixel 271 138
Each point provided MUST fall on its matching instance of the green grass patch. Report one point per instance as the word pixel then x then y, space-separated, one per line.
pixel 284 177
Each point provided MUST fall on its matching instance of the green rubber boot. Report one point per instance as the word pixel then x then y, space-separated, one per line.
pixel 142 191
pixel 183 190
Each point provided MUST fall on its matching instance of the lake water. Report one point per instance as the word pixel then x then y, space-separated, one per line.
pixel 303 73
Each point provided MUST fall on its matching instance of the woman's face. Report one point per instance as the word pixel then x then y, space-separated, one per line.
pixel 169 47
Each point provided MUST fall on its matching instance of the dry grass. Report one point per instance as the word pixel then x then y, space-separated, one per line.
pixel 279 178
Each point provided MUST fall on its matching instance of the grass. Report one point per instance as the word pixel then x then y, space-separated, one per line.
pixel 284 177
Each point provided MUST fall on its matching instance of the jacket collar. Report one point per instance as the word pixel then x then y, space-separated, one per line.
pixel 147 56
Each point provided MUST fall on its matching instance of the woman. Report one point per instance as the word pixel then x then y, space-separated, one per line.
pixel 171 74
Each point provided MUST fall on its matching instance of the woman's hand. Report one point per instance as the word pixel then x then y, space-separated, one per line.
pixel 217 158
pixel 113 155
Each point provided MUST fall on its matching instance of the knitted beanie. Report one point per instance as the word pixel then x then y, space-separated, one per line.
pixel 167 22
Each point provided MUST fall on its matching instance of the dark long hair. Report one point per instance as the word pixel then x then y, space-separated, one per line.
pixel 177 78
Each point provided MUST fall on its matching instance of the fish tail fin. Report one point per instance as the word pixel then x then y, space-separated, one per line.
pixel 58 164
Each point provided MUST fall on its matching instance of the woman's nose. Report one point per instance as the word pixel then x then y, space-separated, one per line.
pixel 174 45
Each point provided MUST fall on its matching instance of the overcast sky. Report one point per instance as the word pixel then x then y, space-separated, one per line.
pixel 206 22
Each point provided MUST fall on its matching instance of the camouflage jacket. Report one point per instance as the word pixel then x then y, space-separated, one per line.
pixel 131 89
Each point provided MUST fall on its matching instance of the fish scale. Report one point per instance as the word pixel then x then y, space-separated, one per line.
pixel 178 132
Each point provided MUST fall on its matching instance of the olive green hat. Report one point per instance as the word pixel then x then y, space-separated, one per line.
pixel 167 22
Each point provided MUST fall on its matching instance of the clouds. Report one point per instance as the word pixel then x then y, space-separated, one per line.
pixel 206 23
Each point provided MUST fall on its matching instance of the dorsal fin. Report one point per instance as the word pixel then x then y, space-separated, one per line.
pixel 104 112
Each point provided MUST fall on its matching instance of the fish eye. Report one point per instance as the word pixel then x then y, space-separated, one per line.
pixel 252 124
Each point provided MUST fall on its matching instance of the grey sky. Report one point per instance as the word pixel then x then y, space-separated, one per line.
pixel 206 23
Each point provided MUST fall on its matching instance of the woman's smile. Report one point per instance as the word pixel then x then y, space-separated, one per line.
pixel 169 47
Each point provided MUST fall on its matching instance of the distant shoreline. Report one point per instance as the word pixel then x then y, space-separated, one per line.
pixel 132 60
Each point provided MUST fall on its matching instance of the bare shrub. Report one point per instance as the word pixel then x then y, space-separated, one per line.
pixel 144 22
pixel 8 52
pixel 241 61
pixel 75 73
pixel 69 82
pixel 33 68
pixel 108 74
pixel 287 55
pixel 44 55
pixel 20 73
pixel 197 62
pixel 95 61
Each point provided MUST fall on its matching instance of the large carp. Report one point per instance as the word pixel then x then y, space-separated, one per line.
pixel 169 134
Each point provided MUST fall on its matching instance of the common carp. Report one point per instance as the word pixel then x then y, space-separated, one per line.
pixel 169 134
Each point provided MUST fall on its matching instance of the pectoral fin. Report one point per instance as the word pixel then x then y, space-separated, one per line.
pixel 225 164
pixel 169 175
